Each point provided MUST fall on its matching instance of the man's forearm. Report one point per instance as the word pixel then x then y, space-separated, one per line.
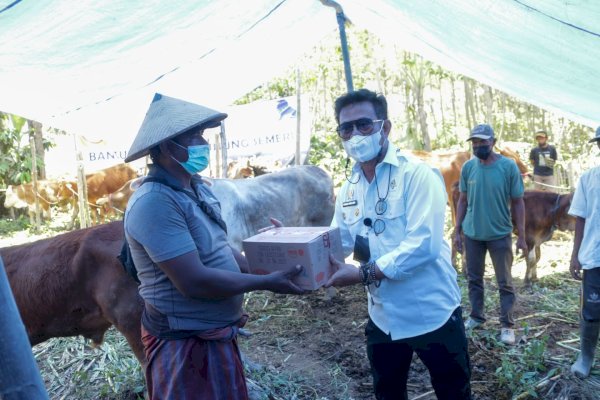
pixel 579 227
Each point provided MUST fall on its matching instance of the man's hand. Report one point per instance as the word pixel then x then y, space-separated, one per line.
pixel 281 281
pixel 344 274
pixel 522 245
pixel 575 268
pixel 276 224
pixel 457 239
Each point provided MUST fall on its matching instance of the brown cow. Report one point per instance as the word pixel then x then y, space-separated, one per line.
pixel 106 181
pixel 544 212
pixel 449 164
pixel 100 184
pixel 116 202
pixel 73 284
pixel 24 196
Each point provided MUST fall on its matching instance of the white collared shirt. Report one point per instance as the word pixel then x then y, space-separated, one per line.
pixel 420 292
pixel 586 204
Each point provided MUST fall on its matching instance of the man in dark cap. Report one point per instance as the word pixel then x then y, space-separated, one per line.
pixel 191 280
pixel 585 207
pixel 489 184
pixel 543 157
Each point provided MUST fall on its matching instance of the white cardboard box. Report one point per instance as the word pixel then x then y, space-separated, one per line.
pixel 280 248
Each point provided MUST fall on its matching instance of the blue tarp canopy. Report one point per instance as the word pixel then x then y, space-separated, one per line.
pixel 92 66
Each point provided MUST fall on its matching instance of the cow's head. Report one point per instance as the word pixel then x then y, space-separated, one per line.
pixel 564 221
pixel 509 153
pixel 11 198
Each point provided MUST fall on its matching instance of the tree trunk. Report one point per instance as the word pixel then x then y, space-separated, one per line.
pixel 477 111
pixel 489 105
pixel 422 116
pixel 442 103
pixel 436 124
pixel 469 111
pixel 36 128
pixel 454 102
pixel 530 118
pixel 503 105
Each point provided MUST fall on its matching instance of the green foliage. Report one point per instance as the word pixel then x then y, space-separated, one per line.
pixel 414 86
pixel 8 226
pixel 15 151
pixel 520 368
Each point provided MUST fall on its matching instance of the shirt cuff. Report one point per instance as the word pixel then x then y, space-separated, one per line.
pixel 387 267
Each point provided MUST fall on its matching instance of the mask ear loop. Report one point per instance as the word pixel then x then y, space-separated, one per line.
pixel 346 172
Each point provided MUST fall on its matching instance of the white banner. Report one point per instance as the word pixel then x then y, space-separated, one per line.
pixel 263 132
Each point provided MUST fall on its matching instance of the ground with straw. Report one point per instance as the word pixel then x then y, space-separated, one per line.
pixel 313 346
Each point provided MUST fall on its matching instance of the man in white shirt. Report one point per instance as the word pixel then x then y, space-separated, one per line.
pixel 586 255
pixel 391 215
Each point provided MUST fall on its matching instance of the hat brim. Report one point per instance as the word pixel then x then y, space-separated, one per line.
pixel 212 122
pixel 541 135
pixel 594 140
pixel 484 137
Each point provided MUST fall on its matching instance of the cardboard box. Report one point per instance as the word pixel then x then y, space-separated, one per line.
pixel 280 248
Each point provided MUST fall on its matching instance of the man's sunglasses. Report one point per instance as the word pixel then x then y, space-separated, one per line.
pixel 364 126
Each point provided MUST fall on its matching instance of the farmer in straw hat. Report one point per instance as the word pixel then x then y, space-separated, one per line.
pixel 191 280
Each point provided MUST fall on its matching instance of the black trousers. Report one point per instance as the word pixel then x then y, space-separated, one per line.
pixel 443 351
pixel 590 295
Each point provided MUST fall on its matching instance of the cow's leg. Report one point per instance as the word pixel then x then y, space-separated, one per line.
pixel 538 252
pixel 530 271
pixel 122 306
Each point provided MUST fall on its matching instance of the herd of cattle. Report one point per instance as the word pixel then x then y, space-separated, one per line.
pixel 102 187
pixel 73 284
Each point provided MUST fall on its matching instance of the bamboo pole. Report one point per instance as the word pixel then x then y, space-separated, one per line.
pixel 223 140
pixel 298 107
pixel 34 182
pixel 84 215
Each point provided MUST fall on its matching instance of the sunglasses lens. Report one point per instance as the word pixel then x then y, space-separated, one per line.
pixel 346 128
pixel 364 125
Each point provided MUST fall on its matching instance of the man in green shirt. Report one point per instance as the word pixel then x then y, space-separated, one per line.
pixel 489 185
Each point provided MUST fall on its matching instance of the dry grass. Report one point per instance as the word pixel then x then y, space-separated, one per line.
pixel 312 347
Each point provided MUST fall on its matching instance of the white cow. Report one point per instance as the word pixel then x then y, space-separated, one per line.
pixel 297 196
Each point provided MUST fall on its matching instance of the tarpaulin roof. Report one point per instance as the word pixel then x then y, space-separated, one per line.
pixel 92 66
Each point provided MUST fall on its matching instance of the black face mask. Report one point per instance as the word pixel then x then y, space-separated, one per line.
pixel 482 152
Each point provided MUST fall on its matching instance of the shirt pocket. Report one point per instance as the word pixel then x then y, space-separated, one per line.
pixel 394 218
pixel 396 208
pixel 352 215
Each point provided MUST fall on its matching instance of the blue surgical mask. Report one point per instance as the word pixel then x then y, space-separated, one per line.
pixel 364 148
pixel 198 158
pixel 482 152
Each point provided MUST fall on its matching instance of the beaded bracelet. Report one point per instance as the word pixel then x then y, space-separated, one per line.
pixel 367 274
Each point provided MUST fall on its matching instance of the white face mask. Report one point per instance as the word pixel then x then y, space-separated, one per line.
pixel 363 148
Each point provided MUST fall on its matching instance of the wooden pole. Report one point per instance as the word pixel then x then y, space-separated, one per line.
pixel 298 108
pixel 34 182
pixel 84 215
pixel 223 140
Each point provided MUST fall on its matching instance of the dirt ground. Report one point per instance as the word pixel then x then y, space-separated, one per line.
pixel 318 342
pixel 313 346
